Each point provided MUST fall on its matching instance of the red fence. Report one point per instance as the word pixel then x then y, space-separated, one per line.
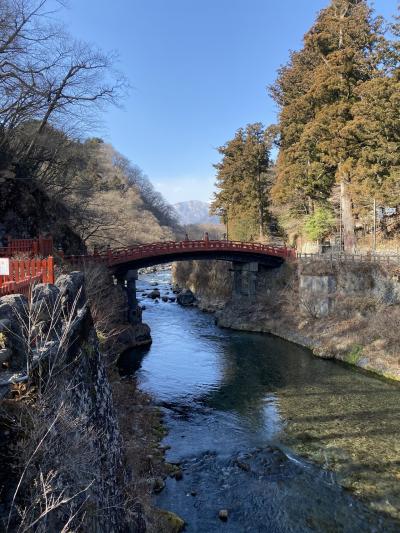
pixel 25 273
pixel 161 249
pixel 43 247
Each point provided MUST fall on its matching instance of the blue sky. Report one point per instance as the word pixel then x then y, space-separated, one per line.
pixel 198 70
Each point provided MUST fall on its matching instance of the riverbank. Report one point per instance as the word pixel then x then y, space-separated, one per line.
pixel 142 430
pixel 348 312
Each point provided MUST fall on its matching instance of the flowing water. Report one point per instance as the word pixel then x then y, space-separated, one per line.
pixel 265 430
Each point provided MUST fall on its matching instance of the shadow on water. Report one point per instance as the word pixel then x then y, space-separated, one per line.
pixel 131 360
pixel 251 417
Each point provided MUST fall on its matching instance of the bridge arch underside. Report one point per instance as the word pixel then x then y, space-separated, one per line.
pixel 268 261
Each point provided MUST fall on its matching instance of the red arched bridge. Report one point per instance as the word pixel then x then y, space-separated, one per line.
pixel 145 255
pixel 20 274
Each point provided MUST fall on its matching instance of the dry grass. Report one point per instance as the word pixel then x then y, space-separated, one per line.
pixel 40 420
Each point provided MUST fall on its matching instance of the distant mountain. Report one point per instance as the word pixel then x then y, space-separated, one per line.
pixel 195 212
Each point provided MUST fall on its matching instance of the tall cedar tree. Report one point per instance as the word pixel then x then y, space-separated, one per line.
pixel 243 179
pixel 318 93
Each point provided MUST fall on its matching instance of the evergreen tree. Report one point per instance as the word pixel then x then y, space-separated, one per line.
pixel 373 136
pixel 243 181
pixel 317 93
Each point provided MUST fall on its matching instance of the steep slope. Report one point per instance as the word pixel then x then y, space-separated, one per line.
pixel 106 201
pixel 26 210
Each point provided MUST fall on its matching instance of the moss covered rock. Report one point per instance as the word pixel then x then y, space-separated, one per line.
pixel 170 522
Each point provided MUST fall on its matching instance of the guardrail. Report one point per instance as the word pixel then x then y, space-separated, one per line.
pixel 24 274
pixel 342 257
pixel 42 246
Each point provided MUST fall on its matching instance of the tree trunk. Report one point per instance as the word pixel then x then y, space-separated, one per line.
pixel 349 240
pixel 260 206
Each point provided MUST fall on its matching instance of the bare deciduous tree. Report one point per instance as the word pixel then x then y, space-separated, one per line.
pixel 46 77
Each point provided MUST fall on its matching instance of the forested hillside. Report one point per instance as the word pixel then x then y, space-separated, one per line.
pixel 53 90
pixel 338 133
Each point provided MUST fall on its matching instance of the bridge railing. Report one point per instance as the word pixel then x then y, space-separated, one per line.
pixel 23 274
pixel 42 246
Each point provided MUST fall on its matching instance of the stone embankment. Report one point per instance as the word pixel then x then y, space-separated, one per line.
pixel 347 311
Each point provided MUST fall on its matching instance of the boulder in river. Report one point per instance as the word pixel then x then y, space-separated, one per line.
pixel 164 298
pixel 170 521
pixel 158 485
pixel 5 355
pixel 186 298
pixel 154 294
pixel 178 475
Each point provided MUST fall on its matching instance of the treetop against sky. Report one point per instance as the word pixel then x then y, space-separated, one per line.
pixel 198 70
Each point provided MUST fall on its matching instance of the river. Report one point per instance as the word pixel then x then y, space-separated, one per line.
pixel 267 431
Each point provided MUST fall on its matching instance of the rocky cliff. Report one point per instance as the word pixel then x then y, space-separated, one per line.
pixel 62 453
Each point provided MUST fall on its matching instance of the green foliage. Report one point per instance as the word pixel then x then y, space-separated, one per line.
pixel 243 228
pixel 320 224
pixel 354 355
pixel 102 338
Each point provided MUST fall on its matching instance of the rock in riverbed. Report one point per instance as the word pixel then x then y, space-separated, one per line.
pixel 154 294
pixel 186 298
pixel 158 485
pixel 178 475
pixel 170 521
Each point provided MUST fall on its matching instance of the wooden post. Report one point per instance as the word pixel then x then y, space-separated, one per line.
pixel 50 270
pixel 374 236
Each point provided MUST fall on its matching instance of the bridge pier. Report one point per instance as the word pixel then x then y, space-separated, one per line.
pixel 244 279
pixel 128 283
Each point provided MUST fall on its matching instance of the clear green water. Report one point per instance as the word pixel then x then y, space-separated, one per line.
pixel 264 429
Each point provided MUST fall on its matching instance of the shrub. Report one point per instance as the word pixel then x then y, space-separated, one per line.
pixel 320 224
pixel 354 355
